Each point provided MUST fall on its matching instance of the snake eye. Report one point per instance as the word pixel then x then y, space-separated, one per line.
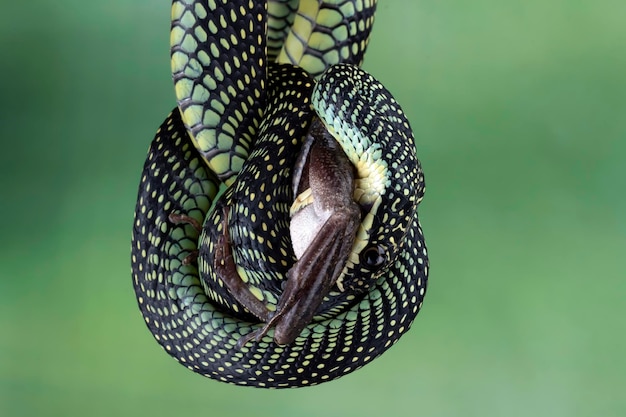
pixel 373 256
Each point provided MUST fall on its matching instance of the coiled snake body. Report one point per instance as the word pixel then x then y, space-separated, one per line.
pixel 276 241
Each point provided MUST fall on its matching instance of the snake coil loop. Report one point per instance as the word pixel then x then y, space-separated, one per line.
pixel 276 241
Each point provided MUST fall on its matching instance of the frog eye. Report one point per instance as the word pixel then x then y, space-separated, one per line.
pixel 373 256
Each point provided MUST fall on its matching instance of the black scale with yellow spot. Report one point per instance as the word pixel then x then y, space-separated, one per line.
pixel 276 241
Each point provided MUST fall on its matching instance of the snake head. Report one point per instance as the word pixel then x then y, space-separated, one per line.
pixel 357 184
pixel 373 133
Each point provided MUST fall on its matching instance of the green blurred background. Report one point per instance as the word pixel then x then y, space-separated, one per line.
pixel 519 110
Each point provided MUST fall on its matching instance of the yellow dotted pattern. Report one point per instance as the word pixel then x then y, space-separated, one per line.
pixel 237 125
pixel 192 327
pixel 258 214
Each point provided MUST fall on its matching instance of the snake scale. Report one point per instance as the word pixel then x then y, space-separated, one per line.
pixel 276 240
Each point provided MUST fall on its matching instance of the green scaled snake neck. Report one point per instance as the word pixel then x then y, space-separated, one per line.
pixel 276 240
